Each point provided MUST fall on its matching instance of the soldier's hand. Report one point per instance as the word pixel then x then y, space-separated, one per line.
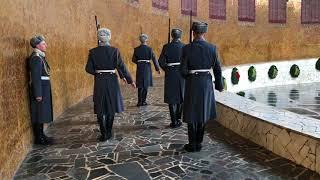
pixel 39 99
pixel 133 85
pixel 124 80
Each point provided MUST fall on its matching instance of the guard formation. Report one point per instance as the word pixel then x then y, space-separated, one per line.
pixel 188 90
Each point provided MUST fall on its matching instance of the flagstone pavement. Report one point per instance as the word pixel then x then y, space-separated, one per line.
pixel 144 147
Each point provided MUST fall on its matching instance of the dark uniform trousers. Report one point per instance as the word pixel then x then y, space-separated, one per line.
pixel 195 134
pixel 175 114
pixel 142 95
pixel 105 122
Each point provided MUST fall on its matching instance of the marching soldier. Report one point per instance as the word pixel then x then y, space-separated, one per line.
pixel 174 83
pixel 40 90
pixel 198 58
pixel 142 56
pixel 107 98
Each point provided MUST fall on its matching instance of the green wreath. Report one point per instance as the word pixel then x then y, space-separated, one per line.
pixel 224 83
pixel 235 76
pixel 318 65
pixel 294 71
pixel 273 72
pixel 252 74
pixel 241 93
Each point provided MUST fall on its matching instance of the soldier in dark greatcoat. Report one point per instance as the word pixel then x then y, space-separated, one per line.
pixel 198 58
pixel 174 83
pixel 107 98
pixel 40 90
pixel 142 56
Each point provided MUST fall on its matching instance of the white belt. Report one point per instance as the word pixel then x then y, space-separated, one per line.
pixel 105 71
pixel 199 70
pixel 173 64
pixel 142 60
pixel 45 78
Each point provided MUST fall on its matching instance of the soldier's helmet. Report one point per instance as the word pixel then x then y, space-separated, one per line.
pixel 199 27
pixel 35 40
pixel 176 33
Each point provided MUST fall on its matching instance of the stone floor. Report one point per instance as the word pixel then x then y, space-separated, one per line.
pixel 143 147
pixel 302 99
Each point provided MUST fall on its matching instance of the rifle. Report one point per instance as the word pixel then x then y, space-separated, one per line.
pixel 169 31
pixel 190 33
pixel 141 30
pixel 97 24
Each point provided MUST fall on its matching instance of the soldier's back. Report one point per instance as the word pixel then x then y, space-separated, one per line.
pixel 104 56
pixel 143 52
pixel 199 54
pixel 174 51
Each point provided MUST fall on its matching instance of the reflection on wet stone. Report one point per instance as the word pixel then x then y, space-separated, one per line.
pixel 252 97
pixel 294 94
pixel 302 99
pixel 272 98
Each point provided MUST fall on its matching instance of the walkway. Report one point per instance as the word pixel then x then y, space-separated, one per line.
pixel 143 147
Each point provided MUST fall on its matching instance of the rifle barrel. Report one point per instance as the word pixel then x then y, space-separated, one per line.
pixel 169 31
pixel 190 33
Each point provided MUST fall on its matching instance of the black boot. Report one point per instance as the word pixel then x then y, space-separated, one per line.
pixel 38 139
pixel 191 147
pixel 178 115
pixel 109 126
pixel 144 96
pixel 173 114
pixel 48 140
pixel 172 108
pixel 200 133
pixel 103 126
pixel 139 97
pixel 179 111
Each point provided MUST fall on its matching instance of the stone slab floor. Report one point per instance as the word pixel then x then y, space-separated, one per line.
pixel 143 147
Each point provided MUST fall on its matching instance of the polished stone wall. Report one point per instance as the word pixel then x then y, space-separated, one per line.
pixel 70 30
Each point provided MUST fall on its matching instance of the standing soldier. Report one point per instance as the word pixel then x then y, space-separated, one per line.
pixel 174 83
pixel 198 58
pixel 40 90
pixel 142 56
pixel 107 98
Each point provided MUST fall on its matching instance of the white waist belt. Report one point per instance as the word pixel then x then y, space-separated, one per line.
pixel 173 64
pixel 45 78
pixel 199 70
pixel 142 60
pixel 105 71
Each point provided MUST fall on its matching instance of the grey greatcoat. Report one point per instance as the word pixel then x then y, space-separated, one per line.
pixel 107 95
pixel 144 73
pixel 41 112
pixel 199 102
pixel 174 82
